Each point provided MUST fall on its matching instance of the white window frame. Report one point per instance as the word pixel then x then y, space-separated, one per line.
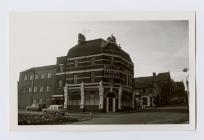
pixel 41 89
pixel 48 88
pixel 29 89
pixel 60 83
pixel 31 77
pixel 49 75
pixel 76 63
pixel 36 76
pixel 75 78
pixel 25 77
pixel 42 76
pixel 40 101
pixel 47 101
pixel 61 67
pixel 35 89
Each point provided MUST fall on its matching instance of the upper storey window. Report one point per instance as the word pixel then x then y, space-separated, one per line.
pixel 25 77
pixel 92 76
pixel 61 66
pixel 93 61
pixel 35 89
pixel 31 77
pixel 29 89
pixel 76 63
pixel 42 76
pixel 36 76
pixel 112 60
pixel 75 79
pixel 41 89
pixel 60 83
pixel 49 75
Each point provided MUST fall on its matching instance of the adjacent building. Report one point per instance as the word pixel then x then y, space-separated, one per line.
pixel 36 86
pixel 179 94
pixel 148 91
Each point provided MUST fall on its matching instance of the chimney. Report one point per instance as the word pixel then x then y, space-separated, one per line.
pixel 81 38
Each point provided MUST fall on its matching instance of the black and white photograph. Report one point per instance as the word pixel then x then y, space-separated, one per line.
pixel 102 71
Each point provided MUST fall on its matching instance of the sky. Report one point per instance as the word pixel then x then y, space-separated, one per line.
pixel 154 46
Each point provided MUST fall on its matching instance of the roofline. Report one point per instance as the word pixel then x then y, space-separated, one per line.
pixel 40 68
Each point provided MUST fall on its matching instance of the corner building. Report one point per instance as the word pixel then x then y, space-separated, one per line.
pixel 95 75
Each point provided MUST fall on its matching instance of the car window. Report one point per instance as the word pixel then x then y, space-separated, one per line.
pixel 51 107
pixel 60 107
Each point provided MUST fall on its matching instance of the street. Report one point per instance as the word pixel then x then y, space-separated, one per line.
pixel 162 115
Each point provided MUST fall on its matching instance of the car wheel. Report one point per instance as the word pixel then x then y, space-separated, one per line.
pixel 57 114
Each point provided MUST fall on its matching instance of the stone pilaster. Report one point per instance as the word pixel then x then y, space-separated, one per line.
pixel 66 95
pixel 133 100
pixel 120 96
pixel 82 95
pixel 101 95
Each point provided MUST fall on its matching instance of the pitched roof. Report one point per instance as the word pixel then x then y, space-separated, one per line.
pixel 40 68
pixel 164 76
pixel 96 46
pixel 86 48
pixel 143 82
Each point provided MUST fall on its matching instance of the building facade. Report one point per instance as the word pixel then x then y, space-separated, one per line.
pixel 154 90
pixel 179 93
pixel 36 86
pixel 95 75
pixel 147 91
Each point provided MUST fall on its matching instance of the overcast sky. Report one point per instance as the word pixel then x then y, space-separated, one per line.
pixel 154 46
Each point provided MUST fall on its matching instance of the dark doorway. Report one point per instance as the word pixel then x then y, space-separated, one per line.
pixel 110 105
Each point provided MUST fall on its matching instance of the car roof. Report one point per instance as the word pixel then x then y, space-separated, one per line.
pixel 56 105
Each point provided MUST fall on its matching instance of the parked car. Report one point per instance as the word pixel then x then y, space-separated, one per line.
pixel 33 107
pixel 55 110
pixel 178 100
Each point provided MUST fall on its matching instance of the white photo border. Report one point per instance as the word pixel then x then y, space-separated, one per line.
pixel 110 16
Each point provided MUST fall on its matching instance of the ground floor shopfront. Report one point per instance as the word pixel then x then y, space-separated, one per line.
pixel 97 97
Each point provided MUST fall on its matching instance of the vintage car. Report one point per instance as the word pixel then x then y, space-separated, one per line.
pixel 33 107
pixel 57 110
